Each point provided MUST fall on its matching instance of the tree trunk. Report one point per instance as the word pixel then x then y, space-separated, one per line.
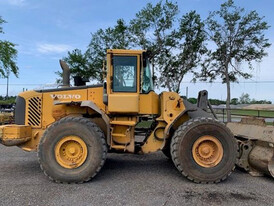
pixel 167 84
pixel 228 113
pixel 228 97
pixel 179 84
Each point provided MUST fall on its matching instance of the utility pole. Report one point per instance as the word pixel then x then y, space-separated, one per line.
pixel 186 92
pixel 8 74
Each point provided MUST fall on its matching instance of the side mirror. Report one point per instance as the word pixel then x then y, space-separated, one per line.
pixel 144 62
pixel 144 59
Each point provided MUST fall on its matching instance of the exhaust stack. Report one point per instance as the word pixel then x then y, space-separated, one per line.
pixel 66 74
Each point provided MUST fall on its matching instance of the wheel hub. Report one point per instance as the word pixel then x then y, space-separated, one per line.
pixel 207 151
pixel 71 152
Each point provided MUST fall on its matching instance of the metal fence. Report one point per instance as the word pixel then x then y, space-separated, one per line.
pixel 237 114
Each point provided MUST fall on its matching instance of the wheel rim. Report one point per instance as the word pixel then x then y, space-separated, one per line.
pixel 71 152
pixel 207 151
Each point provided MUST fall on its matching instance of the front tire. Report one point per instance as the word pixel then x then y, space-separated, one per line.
pixel 72 150
pixel 204 150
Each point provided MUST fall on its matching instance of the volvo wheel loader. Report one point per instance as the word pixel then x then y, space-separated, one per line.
pixel 73 128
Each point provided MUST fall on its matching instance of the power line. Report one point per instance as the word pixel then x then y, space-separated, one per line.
pixel 184 82
pixel 247 82
pixel 21 84
pixel 24 84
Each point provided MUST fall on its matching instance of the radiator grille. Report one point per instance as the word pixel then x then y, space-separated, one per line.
pixel 34 112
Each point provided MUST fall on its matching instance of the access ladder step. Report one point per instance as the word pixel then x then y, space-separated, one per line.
pixel 127 123
pixel 118 135
pixel 122 147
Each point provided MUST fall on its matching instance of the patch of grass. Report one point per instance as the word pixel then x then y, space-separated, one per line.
pixel 255 113
pixel 9 100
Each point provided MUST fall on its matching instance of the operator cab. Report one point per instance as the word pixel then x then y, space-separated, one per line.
pixel 128 80
pixel 125 74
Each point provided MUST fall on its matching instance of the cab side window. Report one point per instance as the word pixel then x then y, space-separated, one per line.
pixel 125 73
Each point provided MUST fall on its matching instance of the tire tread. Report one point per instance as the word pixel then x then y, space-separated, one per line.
pixel 89 124
pixel 174 147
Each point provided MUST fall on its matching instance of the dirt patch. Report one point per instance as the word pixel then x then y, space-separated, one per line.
pixel 260 106
pixel 218 197
pixel 239 196
pixel 215 197
pixel 190 195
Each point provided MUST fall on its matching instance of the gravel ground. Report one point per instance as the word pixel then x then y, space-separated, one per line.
pixel 125 180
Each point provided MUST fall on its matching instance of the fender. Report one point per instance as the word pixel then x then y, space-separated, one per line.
pixel 95 108
pixel 191 110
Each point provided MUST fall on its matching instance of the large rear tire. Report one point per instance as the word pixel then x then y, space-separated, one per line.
pixel 72 150
pixel 204 150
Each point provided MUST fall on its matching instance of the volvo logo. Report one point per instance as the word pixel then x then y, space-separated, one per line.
pixel 65 96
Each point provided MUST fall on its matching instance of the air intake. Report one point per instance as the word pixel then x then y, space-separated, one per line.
pixel 34 109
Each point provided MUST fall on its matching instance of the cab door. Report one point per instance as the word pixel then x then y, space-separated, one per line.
pixel 123 95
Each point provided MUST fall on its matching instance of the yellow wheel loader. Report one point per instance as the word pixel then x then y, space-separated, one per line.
pixel 73 128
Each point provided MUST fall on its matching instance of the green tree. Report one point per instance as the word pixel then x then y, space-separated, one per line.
pixel 116 37
pixel 175 44
pixel 234 101
pixel 187 52
pixel 192 100
pixel 80 66
pixel 89 64
pixel 254 101
pixel 244 98
pixel 8 55
pixel 239 39
pixel 152 30
pixel 7 100
pixel 216 101
pixel 1 22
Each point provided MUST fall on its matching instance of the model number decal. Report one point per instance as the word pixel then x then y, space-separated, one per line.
pixel 66 96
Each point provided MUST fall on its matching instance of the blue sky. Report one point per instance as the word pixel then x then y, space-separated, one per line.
pixel 45 30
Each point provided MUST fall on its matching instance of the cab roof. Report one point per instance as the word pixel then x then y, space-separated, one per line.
pixel 124 51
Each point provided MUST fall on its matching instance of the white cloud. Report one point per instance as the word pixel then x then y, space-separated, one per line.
pixel 52 48
pixel 14 2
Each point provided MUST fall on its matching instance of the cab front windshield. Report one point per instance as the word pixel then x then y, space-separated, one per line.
pixel 147 84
